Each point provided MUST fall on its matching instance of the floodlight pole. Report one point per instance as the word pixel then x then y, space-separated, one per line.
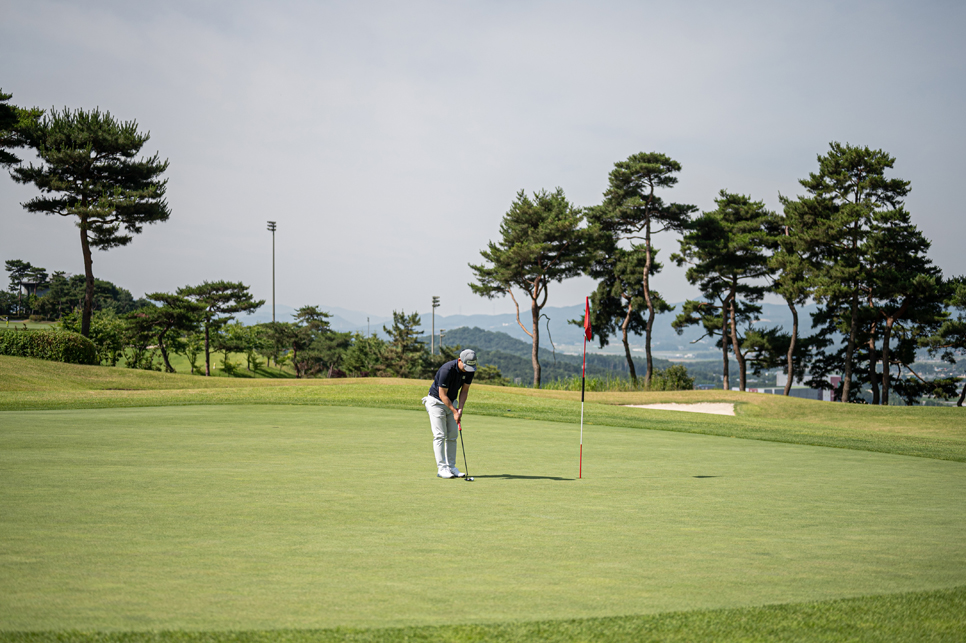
pixel 432 337
pixel 271 228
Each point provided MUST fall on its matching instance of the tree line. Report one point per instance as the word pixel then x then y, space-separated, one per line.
pixel 847 243
pixel 38 294
pixel 200 322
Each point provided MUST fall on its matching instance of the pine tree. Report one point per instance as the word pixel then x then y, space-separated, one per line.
pixel 404 355
pixel 712 316
pixel 541 242
pixel 13 121
pixel 618 303
pixel 834 220
pixel 17 271
pixel 166 323
pixel 905 288
pixel 632 210
pixel 949 340
pixel 789 281
pixel 221 300
pixel 88 170
pixel 727 252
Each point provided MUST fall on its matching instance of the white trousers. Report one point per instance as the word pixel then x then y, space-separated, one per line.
pixel 445 433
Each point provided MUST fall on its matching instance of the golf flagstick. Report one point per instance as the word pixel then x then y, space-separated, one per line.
pixel 588 334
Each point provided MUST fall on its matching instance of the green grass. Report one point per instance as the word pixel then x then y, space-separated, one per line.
pixel 139 506
pixel 874 619
pixel 182 366
pixel 282 517
pixel 25 374
pixel 20 323
pixel 930 432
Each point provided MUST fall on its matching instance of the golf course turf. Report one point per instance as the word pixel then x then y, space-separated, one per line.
pixel 300 512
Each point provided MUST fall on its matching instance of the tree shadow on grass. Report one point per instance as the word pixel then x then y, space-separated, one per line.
pixel 510 476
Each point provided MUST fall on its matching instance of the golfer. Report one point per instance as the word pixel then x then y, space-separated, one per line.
pixel 445 404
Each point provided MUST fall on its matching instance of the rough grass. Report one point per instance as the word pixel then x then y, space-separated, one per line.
pixel 915 616
pixel 24 374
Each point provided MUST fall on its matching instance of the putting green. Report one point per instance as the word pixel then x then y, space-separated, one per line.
pixel 262 517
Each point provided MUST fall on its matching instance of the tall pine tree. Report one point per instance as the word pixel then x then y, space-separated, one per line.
pixel 633 211
pixel 727 250
pixel 89 171
pixel 541 242
pixel 834 220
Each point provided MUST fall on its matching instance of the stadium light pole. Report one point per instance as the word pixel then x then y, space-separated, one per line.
pixel 271 228
pixel 432 341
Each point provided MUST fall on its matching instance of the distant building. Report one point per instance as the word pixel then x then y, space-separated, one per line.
pixel 800 390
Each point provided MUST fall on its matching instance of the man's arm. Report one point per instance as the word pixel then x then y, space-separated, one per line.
pixel 464 392
pixel 444 398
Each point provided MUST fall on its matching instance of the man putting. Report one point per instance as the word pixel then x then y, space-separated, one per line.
pixel 452 382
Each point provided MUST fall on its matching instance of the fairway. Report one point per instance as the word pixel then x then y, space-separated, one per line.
pixel 264 517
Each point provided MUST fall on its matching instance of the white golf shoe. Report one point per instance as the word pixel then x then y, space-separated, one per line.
pixel 457 473
pixel 445 473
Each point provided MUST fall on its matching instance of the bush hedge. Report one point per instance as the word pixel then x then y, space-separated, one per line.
pixel 55 345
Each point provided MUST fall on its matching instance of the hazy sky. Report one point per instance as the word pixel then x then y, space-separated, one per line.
pixel 388 139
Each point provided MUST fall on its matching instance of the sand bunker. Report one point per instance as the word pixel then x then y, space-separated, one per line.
pixel 717 408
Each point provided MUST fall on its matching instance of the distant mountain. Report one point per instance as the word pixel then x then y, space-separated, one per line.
pixel 513 357
pixel 570 337
pixel 564 336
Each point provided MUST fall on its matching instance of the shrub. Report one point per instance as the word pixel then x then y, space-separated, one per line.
pixel 107 330
pixel 36 318
pixel 673 378
pixel 58 346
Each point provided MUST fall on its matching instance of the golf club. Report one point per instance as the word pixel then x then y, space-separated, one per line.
pixel 459 425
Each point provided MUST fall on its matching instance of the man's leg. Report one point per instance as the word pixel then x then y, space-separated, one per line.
pixel 438 421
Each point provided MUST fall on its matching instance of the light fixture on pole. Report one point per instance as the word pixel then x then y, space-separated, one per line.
pixel 432 341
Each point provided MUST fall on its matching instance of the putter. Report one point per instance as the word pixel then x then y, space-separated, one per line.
pixel 459 425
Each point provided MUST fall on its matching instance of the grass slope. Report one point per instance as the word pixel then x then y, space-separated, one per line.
pixel 932 432
pixel 938 616
pixel 295 517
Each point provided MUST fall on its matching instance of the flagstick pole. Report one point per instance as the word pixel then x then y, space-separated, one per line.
pixel 583 379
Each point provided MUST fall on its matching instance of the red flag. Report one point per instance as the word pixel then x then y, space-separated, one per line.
pixel 588 333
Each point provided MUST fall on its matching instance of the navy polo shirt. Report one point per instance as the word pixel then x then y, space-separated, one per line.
pixel 450 377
